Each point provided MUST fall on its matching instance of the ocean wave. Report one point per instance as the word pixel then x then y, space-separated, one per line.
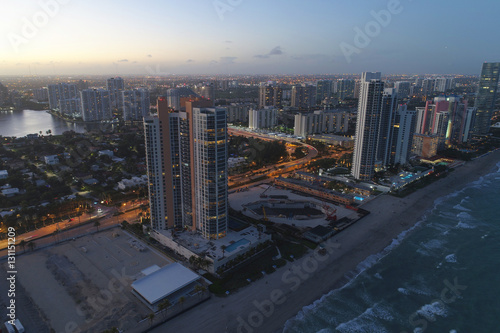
pixel 366 322
pixel 452 258
pixel 465 216
pixel 404 291
pixel 460 207
pixel 378 276
pixel 463 225
pixel 430 311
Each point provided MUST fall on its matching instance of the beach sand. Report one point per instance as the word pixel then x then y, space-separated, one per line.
pixel 266 305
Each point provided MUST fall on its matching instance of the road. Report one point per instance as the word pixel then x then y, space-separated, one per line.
pixel 273 170
pixel 75 228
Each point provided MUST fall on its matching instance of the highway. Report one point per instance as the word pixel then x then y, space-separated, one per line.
pixel 71 229
pixel 273 170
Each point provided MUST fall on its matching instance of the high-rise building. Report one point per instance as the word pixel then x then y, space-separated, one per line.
pixel 41 94
pixel 239 112
pixel 403 89
pixel 388 107
pixel 345 89
pixel 95 105
pixel 61 91
pixel 4 94
pixel 135 104
pixel 323 90
pixel 443 84
pixel 367 125
pixel 115 86
pixel 187 168
pixel 320 122
pixel 403 129
pixel 428 86
pixel 263 118
pixel 70 106
pixel 303 96
pixel 205 90
pixel 486 97
pixel 270 95
pixel 174 99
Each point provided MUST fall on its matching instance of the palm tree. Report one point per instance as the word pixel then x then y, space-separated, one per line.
pixel 151 317
pixel 97 224
pixel 163 306
pixel 182 299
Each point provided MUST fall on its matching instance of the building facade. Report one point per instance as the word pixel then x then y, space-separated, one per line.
pixel 95 105
pixel 135 104
pixel 486 97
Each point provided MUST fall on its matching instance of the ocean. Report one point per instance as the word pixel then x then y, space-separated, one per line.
pixel 441 276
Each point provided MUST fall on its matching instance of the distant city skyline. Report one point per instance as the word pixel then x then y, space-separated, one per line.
pixel 63 37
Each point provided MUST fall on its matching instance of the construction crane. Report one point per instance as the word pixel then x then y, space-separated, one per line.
pixel 264 213
pixel 329 212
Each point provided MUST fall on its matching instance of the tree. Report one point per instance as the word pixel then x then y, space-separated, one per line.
pixel 163 306
pixel 182 299
pixel 97 224
pixel 151 317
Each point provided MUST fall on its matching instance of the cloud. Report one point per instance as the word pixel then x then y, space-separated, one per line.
pixel 190 60
pixel 227 60
pixel 275 51
pixel 134 62
pixel 123 60
pixel 149 56
pixel 228 41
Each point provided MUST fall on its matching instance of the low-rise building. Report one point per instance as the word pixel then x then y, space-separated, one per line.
pixel 51 159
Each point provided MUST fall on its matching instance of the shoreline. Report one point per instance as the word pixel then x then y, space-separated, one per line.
pixel 269 303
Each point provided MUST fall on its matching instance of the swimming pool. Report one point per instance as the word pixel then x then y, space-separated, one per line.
pixel 237 244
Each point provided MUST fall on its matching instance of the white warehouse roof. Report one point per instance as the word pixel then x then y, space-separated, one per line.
pixel 163 282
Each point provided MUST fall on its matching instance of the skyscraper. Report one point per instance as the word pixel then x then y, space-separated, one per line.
pixel 187 168
pixel 115 86
pixel 323 90
pixel 345 88
pixel 135 104
pixel 367 125
pixel 95 105
pixel 486 97
pixel 403 89
pixel 403 128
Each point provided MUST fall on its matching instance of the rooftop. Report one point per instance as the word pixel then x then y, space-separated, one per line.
pixel 163 282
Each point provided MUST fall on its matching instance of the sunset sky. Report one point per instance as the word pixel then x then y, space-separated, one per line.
pixel 245 36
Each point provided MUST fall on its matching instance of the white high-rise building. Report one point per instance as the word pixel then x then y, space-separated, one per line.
pixel 115 86
pixel 95 105
pixel 264 118
pixel 320 122
pixel 367 125
pixel 443 84
pixel 61 91
pixel 135 104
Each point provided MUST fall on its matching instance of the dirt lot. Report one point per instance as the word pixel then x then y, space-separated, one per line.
pixel 84 285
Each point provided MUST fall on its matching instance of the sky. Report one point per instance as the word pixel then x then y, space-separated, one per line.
pixel 157 37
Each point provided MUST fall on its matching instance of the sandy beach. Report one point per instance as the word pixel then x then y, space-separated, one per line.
pixel 267 304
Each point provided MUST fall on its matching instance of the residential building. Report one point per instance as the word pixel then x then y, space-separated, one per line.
pixel 95 105
pixel 486 97
pixel 238 112
pixel 321 121
pixel 402 89
pixel 303 97
pixel 115 86
pixel 345 88
pixel 135 104
pixel 403 129
pixel 323 90
pixel 264 118
pixel 174 99
pixel 187 168
pixel 61 91
pixel 367 125
pixel 270 95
